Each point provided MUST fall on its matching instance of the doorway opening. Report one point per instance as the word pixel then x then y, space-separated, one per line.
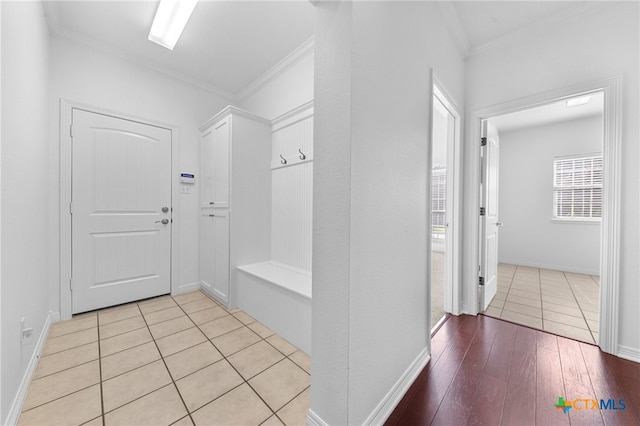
pixel 444 207
pixel 543 195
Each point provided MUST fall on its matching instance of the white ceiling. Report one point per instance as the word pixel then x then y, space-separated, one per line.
pixel 227 46
pixel 547 114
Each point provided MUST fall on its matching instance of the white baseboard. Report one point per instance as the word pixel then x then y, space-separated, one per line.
pixel 55 317
pixel 315 420
pixel 21 394
pixel 391 400
pixel 552 267
pixel 186 288
pixel 626 352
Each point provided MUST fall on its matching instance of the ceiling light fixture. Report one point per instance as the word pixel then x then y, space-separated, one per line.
pixel 171 17
pixel 578 101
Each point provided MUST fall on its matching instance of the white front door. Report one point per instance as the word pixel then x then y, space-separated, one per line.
pixel 489 223
pixel 121 211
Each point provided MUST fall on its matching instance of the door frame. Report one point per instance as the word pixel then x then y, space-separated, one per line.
pixel 452 293
pixel 610 225
pixel 66 167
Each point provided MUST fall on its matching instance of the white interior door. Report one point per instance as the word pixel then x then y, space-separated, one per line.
pixel 489 220
pixel 121 211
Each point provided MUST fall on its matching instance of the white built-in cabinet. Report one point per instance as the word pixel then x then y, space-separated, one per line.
pixel 235 198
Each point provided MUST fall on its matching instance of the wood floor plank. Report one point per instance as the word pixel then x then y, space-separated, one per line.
pixel 577 384
pixel 439 343
pixel 607 385
pixel 549 383
pixel 454 408
pixel 485 371
pixel 519 406
pixel 486 409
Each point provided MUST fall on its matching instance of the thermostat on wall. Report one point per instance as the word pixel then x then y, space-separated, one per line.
pixel 187 178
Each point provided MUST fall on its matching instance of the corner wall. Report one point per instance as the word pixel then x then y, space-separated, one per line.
pixel 529 236
pixel 372 146
pixel 599 43
pixel 25 195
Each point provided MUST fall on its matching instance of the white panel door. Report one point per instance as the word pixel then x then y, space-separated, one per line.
pixel 215 151
pixel 121 211
pixel 214 252
pixel 490 223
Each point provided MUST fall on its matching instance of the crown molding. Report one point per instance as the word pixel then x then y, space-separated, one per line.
pixel 455 27
pixel 536 27
pixel 290 60
pixel 58 32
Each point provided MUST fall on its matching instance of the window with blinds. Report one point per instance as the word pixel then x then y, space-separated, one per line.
pixel 577 187
pixel 438 201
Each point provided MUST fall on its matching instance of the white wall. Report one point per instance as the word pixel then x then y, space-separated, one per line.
pixel 599 43
pixel 529 237
pixel 370 246
pixel 84 75
pixel 292 87
pixel 25 195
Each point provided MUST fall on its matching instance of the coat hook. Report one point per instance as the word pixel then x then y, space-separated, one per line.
pixel 302 156
pixel 284 160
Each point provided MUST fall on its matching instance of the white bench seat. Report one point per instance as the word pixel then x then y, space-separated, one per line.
pixel 279 296
pixel 285 276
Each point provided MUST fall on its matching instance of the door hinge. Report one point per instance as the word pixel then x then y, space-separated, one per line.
pixel 71 130
pixel 71 284
pixel 483 141
pixel 481 280
pixel 483 211
pixel 71 207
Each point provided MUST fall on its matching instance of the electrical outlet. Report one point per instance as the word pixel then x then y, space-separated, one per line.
pixel 26 334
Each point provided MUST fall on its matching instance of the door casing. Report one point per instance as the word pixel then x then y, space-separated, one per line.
pixel 610 228
pixel 66 111
pixel 452 284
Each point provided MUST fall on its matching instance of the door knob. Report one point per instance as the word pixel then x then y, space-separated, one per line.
pixel 163 221
pixel 165 209
pixel 499 224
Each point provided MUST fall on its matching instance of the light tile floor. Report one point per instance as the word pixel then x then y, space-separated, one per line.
pixel 437 287
pixel 179 360
pixel 563 303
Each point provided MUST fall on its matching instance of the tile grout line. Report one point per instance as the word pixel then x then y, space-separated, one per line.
pixel 224 357
pixel 541 304
pixel 274 413
pixel 168 371
pixel 100 369
pixel 581 311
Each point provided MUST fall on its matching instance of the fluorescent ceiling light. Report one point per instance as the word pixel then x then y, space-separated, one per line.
pixel 578 101
pixel 171 17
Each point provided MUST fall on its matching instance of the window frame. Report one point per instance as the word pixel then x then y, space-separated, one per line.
pixel 573 187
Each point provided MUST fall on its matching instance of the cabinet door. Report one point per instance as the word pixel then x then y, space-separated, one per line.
pixel 221 254
pixel 214 154
pixel 214 252
pixel 221 160
pixel 207 170
pixel 207 249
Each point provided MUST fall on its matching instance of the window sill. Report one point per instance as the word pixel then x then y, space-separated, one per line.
pixel 576 221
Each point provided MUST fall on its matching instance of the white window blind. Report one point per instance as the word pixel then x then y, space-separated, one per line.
pixel 577 187
pixel 438 201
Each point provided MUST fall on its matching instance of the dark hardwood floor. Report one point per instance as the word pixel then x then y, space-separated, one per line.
pixel 486 371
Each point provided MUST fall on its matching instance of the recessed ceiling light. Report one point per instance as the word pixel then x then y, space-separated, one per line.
pixel 578 101
pixel 171 17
